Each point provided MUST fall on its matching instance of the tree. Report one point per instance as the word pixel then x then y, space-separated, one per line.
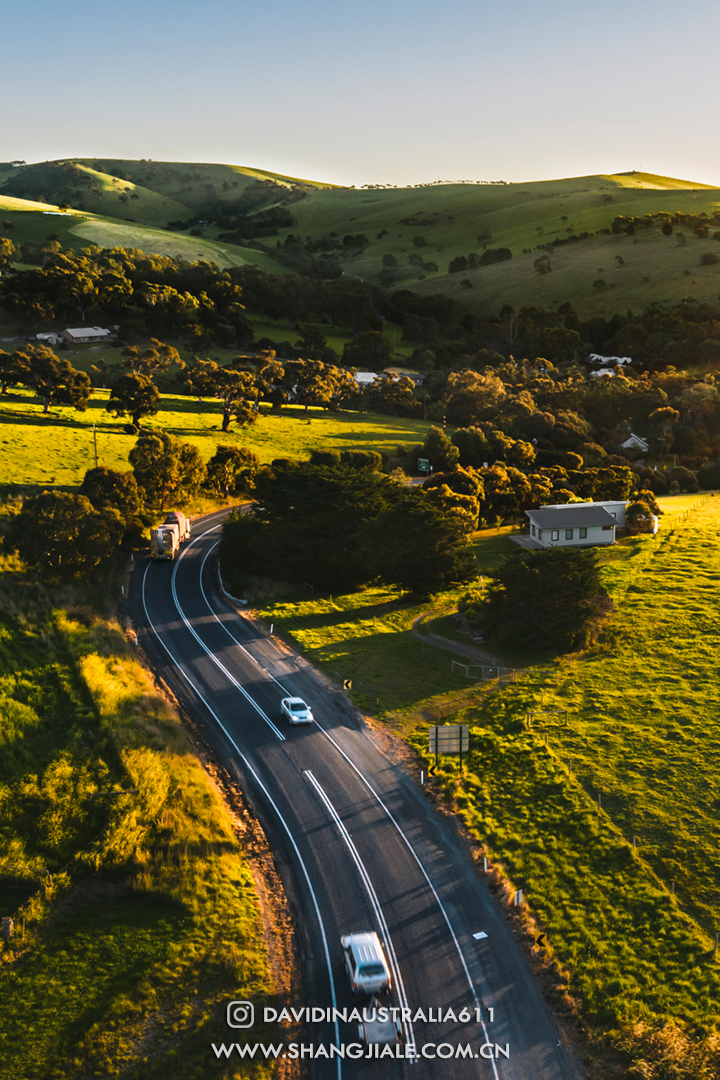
pixel 546 600
pixel 53 379
pixel 418 544
pixel 134 395
pixel 667 229
pixel 150 361
pixel 232 470
pixel 441 453
pixel 239 393
pixel 8 252
pixel 12 370
pixel 457 265
pixel 108 489
pixel 311 341
pixel 370 351
pixel 469 394
pixel 338 527
pixel 62 537
pixel 664 420
pixel 166 469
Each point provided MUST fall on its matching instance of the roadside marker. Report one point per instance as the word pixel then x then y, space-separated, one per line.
pixel 482 934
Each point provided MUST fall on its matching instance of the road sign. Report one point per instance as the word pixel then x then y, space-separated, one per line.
pixel 423 465
pixel 347 684
pixel 449 739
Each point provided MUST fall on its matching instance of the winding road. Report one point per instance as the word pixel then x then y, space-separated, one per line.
pixel 358 844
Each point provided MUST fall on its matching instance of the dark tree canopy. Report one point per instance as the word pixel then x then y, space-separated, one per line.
pixel 339 527
pixel 62 536
pixel 542 600
pixel 108 489
pixel 166 469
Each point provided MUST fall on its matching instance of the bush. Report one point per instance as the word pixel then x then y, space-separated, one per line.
pixel 708 259
pixel 331 458
pixel 362 459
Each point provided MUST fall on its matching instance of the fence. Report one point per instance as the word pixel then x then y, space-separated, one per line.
pixel 492 672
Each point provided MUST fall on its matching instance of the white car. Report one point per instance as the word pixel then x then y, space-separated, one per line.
pixel 296 711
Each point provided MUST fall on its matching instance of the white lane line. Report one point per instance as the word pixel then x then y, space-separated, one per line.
pixel 209 652
pixel 269 798
pixel 369 888
pixel 375 795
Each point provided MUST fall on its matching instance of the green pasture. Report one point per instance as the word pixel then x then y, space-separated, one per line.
pixel 58 448
pixel 335 336
pixel 654 269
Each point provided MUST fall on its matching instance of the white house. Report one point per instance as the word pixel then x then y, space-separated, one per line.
pixel 573 525
pixel 635 442
pixel 365 378
pixel 79 334
pixel 49 338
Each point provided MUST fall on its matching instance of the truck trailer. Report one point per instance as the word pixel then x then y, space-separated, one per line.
pixel 176 517
pixel 164 541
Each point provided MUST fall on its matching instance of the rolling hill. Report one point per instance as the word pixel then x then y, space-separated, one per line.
pixel 400 237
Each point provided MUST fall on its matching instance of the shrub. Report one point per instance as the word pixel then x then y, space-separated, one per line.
pixel 708 259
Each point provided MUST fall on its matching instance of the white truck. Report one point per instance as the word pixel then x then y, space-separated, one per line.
pixel 165 541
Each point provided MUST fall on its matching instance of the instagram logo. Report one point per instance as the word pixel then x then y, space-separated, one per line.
pixel 240 1014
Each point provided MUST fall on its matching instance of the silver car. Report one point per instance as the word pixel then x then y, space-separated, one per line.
pixel 366 964
pixel 296 711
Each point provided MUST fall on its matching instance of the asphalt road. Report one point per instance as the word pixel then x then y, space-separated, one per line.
pixel 359 846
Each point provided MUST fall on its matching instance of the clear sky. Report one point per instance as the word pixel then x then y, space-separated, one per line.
pixel 372 91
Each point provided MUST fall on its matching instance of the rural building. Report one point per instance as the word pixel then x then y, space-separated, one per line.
pixel 81 334
pixel 635 443
pixel 365 378
pixel 50 338
pixel 608 361
pixel 404 373
pixel 573 525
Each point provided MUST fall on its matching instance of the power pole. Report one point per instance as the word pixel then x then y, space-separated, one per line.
pixel 95 445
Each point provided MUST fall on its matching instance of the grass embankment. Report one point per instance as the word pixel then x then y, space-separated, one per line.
pixel 136 915
pixel 57 449
pixel 642 734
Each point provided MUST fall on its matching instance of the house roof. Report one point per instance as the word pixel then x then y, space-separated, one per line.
pixel 571 516
pixel 87 331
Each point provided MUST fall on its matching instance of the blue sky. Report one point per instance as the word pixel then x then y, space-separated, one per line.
pixel 369 92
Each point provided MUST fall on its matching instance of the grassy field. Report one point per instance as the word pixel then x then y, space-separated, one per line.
pixel 57 449
pixel 124 958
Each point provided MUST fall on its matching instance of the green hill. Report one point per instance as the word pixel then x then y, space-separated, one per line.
pixel 400 237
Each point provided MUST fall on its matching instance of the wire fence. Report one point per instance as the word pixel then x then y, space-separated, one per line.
pixel 487 671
